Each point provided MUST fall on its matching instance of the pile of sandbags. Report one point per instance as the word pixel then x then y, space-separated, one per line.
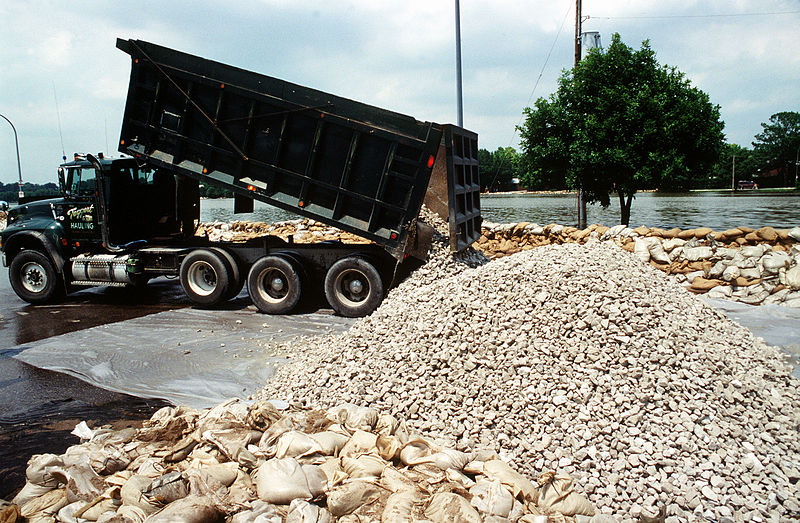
pixel 752 266
pixel 250 462
pixel 302 230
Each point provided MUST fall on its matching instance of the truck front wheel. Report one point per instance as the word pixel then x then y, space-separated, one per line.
pixel 353 287
pixel 274 285
pixel 33 277
pixel 204 277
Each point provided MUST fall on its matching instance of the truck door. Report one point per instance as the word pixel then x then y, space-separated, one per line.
pixel 80 210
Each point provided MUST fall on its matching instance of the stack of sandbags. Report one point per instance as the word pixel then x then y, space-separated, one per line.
pixel 251 462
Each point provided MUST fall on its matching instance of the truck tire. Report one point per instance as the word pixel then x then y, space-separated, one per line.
pixel 274 285
pixel 33 277
pixel 205 277
pixel 353 287
pixel 235 274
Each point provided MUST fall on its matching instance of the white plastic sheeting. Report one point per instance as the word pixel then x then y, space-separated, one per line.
pixel 189 356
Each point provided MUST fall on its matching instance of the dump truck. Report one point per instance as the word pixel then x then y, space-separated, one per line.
pixel 190 121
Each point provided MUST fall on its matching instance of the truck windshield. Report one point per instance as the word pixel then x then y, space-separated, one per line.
pixel 82 181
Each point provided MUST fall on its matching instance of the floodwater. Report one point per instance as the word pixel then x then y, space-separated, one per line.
pixel 718 210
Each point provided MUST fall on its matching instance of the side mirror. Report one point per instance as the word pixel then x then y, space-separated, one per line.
pixel 62 184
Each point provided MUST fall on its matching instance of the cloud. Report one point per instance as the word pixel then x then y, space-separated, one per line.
pixel 395 54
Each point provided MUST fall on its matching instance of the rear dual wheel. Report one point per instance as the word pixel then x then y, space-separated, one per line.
pixel 205 277
pixel 274 285
pixel 353 287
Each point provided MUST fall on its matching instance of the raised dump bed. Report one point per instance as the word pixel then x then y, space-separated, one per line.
pixel 354 166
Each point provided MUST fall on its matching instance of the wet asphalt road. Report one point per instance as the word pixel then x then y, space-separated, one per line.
pixel 39 408
pixel 148 343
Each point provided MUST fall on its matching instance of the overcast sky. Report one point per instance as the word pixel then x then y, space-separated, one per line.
pixel 397 54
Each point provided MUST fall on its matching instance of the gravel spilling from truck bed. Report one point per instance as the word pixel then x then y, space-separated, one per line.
pixel 581 359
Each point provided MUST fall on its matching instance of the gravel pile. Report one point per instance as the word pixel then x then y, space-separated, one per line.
pixel 580 359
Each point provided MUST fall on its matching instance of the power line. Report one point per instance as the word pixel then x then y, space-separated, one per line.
pixel 724 15
pixel 535 85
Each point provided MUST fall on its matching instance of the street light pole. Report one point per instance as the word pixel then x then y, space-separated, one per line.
pixel 16 142
pixel 581 195
pixel 733 174
pixel 796 163
pixel 458 67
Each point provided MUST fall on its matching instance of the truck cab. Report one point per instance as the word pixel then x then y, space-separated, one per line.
pixel 107 206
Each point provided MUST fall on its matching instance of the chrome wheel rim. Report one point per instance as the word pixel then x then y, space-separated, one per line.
pixel 34 277
pixel 351 287
pixel 202 278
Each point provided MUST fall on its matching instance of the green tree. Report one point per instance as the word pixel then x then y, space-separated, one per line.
pixel 620 122
pixel 498 168
pixel 721 175
pixel 777 146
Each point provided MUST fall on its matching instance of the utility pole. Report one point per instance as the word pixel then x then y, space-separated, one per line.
pixel 581 196
pixel 16 142
pixel 458 67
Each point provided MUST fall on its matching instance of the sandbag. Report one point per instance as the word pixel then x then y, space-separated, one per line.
pixel 446 507
pixel 30 491
pixel 294 443
pixel 191 509
pixel 332 468
pixel 93 511
pixel 231 442
pixel 301 511
pixel 520 487
pixel 388 447
pixel 40 470
pixel 458 477
pixel 47 504
pixel 259 512
pixel 262 414
pixel 365 466
pixel 353 417
pixel 558 496
pixel 361 442
pixel 83 483
pixel 132 513
pixel 414 451
pixel 399 507
pixel 330 442
pixel 166 489
pixel 492 498
pixel 66 514
pixel 347 498
pixel 279 481
pixel 444 459
pixel 271 435
pixel 131 494
pixel 168 424
pixel 396 481
pixel 108 460
pixel 180 450
pixel 9 513
pixel 386 425
pixel 230 414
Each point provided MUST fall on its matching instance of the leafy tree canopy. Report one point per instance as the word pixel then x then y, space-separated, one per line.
pixel 620 122
pixel 776 147
pixel 498 168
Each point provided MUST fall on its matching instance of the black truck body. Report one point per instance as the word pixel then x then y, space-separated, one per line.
pixel 188 121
